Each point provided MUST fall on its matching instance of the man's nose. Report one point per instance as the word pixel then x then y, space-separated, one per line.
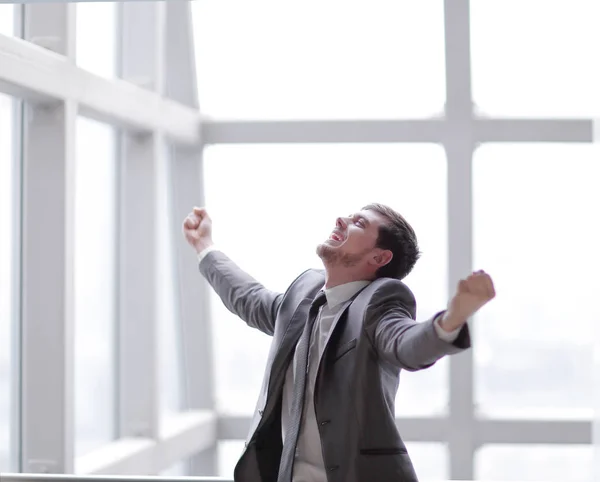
pixel 341 223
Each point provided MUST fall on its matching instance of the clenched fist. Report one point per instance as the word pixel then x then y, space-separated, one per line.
pixel 471 294
pixel 197 229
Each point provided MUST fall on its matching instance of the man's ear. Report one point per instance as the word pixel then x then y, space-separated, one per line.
pixel 383 257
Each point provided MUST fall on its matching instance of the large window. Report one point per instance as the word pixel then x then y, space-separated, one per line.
pixel 170 347
pixel 535 211
pixel 536 230
pixel 314 59
pixel 535 58
pixel 254 191
pixel 95 285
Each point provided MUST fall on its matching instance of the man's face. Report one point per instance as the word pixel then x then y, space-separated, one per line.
pixel 352 241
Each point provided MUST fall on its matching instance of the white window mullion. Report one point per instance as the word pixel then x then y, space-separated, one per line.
pixel 141 33
pixel 187 188
pixel 48 260
pixel 532 130
pixel 409 130
pixel 459 143
pixel 326 131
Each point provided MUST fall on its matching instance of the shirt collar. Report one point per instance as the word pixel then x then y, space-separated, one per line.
pixel 342 293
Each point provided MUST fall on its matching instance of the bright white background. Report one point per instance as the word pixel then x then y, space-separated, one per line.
pixel 533 347
pixel 311 59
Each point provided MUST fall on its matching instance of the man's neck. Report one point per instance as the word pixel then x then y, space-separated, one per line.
pixel 337 278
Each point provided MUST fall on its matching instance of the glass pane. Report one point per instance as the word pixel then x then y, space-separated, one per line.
pixel 228 452
pixel 547 463
pixel 7 267
pixel 96 37
pixel 273 181
pixel 545 66
pixel 7 20
pixel 312 59
pixel 429 459
pixel 95 281
pixel 170 351
pixel 535 231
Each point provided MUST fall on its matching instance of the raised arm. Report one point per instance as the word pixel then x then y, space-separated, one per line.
pixel 400 340
pixel 240 292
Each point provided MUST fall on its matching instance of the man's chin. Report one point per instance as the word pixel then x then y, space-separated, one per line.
pixel 325 251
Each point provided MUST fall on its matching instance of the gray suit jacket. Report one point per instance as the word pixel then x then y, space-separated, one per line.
pixel 357 378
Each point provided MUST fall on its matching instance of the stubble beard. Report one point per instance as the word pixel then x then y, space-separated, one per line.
pixel 332 257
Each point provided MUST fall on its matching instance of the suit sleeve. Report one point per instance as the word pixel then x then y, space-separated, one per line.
pixel 402 341
pixel 241 293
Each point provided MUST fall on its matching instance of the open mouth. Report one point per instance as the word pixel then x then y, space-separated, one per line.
pixel 335 236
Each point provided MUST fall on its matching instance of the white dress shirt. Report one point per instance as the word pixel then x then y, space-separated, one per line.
pixel 309 465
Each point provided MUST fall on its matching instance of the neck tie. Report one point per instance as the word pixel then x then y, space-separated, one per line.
pixel 300 371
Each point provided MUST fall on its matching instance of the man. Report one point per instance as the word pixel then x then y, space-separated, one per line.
pixel 340 339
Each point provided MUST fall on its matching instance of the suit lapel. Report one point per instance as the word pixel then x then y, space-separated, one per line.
pixel 289 340
pixel 284 355
pixel 336 321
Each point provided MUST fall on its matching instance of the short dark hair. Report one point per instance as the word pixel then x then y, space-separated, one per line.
pixel 399 237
